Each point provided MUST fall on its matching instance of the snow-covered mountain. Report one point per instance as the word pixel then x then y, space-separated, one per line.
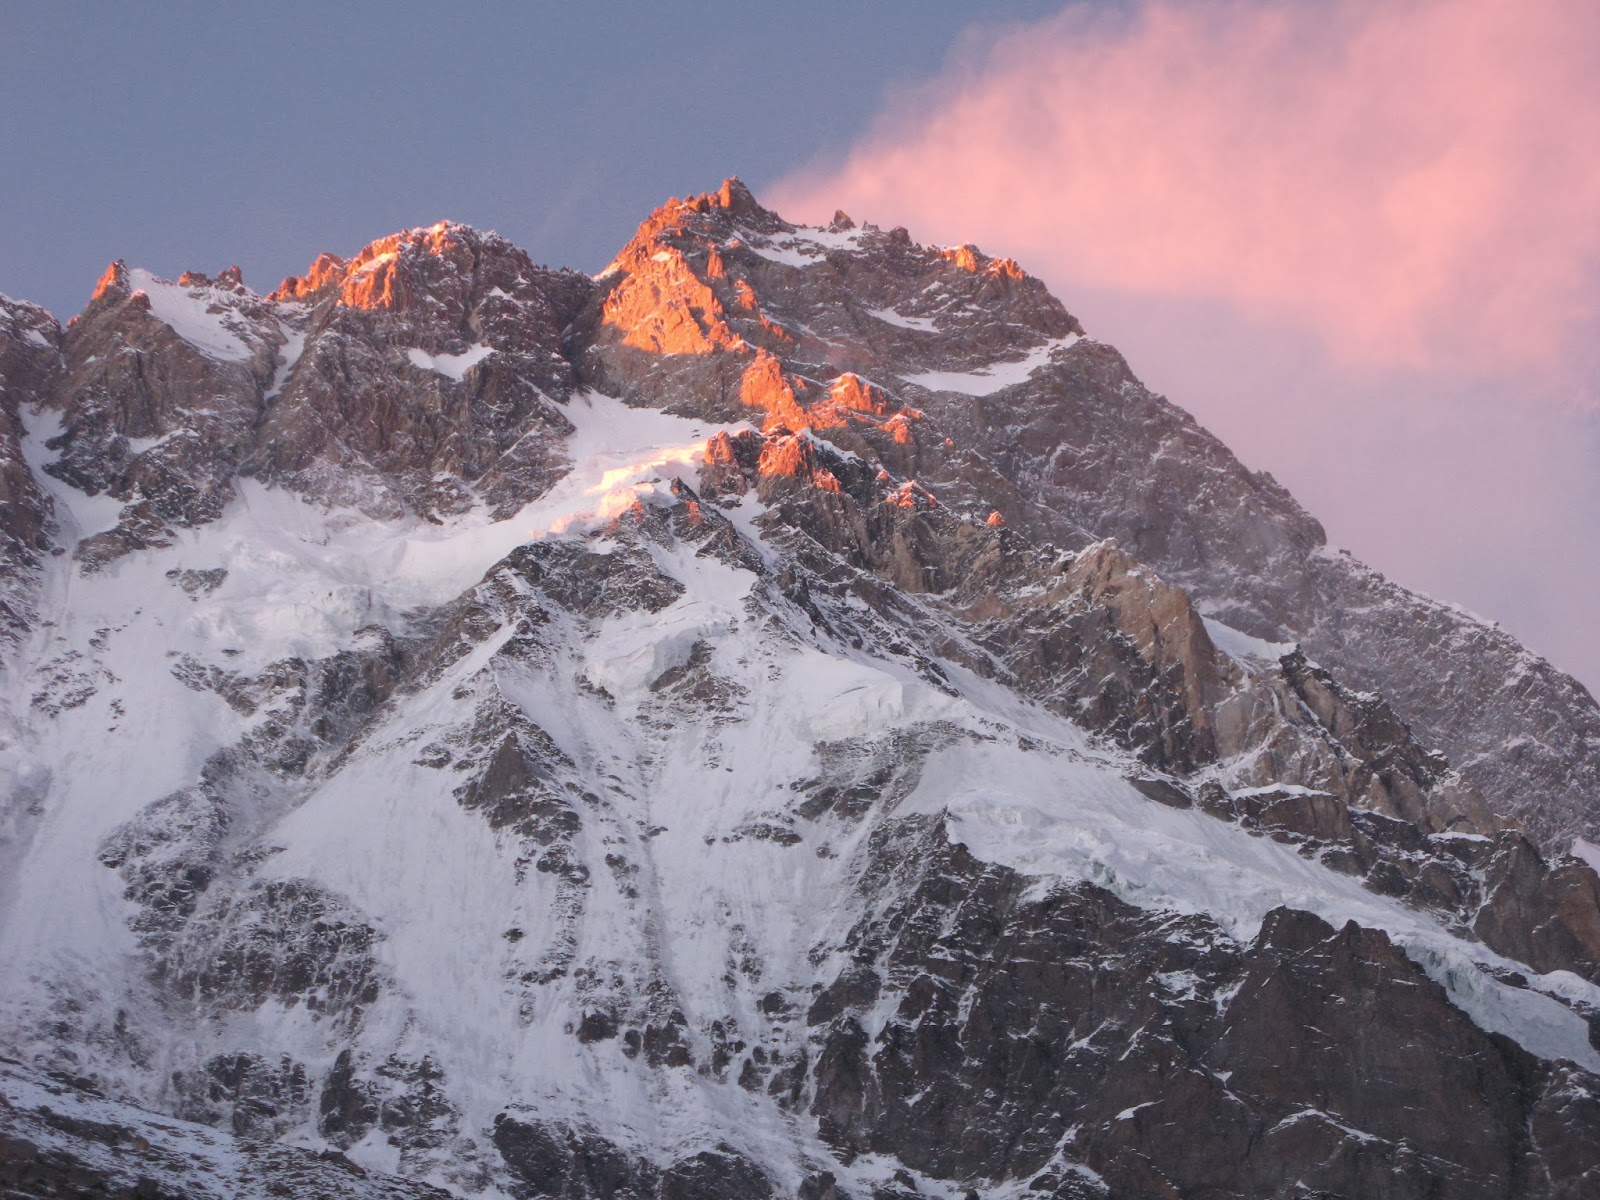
pixel 791 715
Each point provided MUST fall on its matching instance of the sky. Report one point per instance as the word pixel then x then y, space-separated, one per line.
pixel 1359 240
pixel 187 135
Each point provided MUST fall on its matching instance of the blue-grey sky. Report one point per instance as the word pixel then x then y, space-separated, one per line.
pixel 190 135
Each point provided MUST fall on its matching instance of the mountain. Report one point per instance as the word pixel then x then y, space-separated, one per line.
pixel 789 716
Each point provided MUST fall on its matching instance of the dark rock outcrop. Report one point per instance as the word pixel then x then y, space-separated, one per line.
pixel 1013 1035
pixel 30 369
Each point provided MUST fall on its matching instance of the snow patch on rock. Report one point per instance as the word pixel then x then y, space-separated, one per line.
pixel 996 376
pixel 451 366
pixel 194 314
pixel 890 317
pixel 1243 648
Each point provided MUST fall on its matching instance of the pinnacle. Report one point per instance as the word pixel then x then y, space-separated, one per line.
pixel 738 199
pixel 113 281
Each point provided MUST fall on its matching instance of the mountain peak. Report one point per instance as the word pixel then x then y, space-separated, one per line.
pixel 737 199
pixel 795 692
pixel 715 213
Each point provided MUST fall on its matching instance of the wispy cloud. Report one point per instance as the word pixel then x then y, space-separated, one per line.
pixel 1415 180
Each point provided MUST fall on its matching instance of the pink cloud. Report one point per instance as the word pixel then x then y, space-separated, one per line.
pixel 1351 236
pixel 1418 182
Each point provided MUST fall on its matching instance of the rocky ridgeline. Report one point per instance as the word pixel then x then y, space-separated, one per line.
pixel 349 384
pixel 1074 451
pixel 937 472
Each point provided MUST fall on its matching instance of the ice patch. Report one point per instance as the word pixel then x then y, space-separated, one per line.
pixel 294 345
pixel 863 707
pixel 1068 817
pixel 1588 852
pixel 1280 789
pixel 621 456
pixel 890 317
pixel 802 249
pixel 631 653
pixel 84 514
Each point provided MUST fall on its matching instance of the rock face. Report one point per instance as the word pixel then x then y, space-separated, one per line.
pixel 30 366
pixel 425 375
pixel 1070 1027
pixel 65 1141
pixel 789 716
pixel 415 378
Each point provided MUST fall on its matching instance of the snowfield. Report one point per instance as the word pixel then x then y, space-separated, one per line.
pixel 677 797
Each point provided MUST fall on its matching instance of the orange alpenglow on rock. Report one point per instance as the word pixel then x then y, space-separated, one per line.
pixel 662 306
pixel 719 450
pixel 765 386
pixel 775 330
pixel 965 257
pixel 631 510
pixel 375 283
pixel 852 392
pixel 732 196
pixel 793 456
pixel 324 271
pixel 899 425
pixel 970 258
pixel 783 397
pixel 373 279
pixel 113 281
pixel 788 454
pixel 910 494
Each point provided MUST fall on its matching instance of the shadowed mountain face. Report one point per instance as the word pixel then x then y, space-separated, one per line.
pixel 791 715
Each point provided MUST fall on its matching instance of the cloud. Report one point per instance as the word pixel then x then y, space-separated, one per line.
pixel 1415 181
pixel 1359 239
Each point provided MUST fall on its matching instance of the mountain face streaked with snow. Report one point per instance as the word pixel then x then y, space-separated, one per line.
pixel 791 716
